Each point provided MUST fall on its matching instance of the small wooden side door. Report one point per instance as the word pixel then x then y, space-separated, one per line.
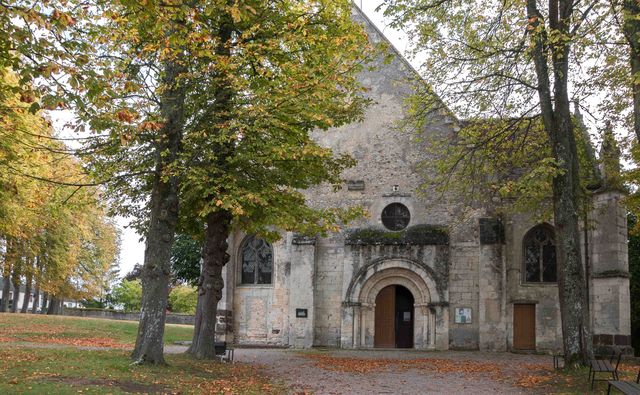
pixel 385 330
pixel 524 326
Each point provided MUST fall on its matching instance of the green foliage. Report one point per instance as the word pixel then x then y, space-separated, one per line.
pixel 93 304
pixel 128 294
pixel 134 274
pixel 183 299
pixel 505 163
pixel 186 253
pixel 36 44
pixel 251 103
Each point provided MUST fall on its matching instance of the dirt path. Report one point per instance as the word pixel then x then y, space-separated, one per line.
pixel 304 371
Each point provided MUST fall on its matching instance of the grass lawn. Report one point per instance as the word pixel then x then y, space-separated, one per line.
pixel 64 369
pixel 79 331
pixel 576 381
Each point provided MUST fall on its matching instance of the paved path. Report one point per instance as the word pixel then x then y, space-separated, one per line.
pixel 300 371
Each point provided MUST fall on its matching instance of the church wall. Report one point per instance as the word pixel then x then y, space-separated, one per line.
pixel 485 277
pixel 386 170
pixel 261 311
pixel 609 272
pixel 301 285
pixel 492 298
pixel 543 295
pixel 463 285
pixel 328 290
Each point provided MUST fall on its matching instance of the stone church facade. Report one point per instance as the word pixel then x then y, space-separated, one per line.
pixel 410 275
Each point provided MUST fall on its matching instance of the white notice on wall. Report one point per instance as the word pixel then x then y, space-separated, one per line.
pixel 463 315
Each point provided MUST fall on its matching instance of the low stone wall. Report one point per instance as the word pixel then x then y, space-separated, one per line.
pixel 185 319
pixel 223 317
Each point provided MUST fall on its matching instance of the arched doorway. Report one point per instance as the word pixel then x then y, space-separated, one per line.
pixel 394 316
pixel 430 308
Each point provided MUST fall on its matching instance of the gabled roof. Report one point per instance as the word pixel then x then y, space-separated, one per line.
pixel 370 28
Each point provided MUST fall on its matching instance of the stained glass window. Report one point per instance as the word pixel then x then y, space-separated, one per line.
pixel 257 261
pixel 396 216
pixel 540 255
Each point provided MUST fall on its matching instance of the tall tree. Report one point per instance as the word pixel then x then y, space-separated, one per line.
pixel 510 60
pixel 44 216
pixel 281 72
pixel 162 93
pixel 132 97
pixel 630 20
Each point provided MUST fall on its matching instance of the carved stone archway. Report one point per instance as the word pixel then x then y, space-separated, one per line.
pixel 430 312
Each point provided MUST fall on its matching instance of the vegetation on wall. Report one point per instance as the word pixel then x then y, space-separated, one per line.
pixel 417 235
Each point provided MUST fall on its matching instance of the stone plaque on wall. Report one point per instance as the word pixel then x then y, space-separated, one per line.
pixel 355 185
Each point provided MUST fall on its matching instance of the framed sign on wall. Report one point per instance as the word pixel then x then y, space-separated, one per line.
pixel 463 315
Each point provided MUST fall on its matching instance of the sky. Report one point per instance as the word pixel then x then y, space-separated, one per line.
pixel 132 247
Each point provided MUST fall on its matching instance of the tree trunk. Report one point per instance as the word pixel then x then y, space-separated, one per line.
pixel 45 300
pixel 574 307
pixel 6 287
pixel 55 306
pixel 27 294
pixel 36 300
pixel 214 256
pixel 15 280
pixel 631 28
pixel 52 305
pixel 162 223
pixel 6 276
pixel 214 251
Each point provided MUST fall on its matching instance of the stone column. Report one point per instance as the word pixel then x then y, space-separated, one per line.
pixel 609 273
pixel 357 324
pixel 301 287
pixel 441 340
pixel 367 326
pixel 422 325
pixel 348 335
pixel 491 317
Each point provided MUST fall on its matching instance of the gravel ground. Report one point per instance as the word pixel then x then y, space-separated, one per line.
pixel 299 371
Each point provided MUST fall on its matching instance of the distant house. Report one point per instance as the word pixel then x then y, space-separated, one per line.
pixel 22 290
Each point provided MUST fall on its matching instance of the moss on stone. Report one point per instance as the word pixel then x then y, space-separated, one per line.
pixel 414 235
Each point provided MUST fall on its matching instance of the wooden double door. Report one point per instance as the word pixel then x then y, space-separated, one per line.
pixel 394 318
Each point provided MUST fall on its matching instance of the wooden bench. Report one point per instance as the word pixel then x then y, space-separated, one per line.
pixel 626 387
pixel 604 366
pixel 225 354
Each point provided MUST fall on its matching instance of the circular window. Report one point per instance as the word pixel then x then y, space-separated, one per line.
pixel 396 216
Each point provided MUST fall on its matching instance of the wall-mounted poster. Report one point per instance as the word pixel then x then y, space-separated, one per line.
pixel 463 315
